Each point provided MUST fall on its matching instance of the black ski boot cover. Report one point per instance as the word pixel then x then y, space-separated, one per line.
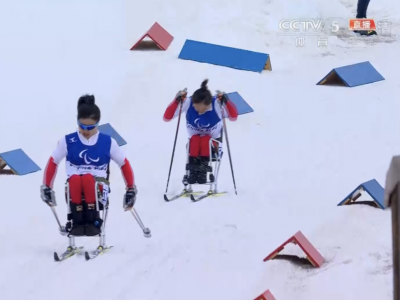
pixel 78 222
pixel 93 221
pixel 193 167
pixel 203 169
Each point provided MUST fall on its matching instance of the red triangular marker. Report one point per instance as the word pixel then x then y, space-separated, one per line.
pixel 267 295
pixel 159 35
pixel 299 239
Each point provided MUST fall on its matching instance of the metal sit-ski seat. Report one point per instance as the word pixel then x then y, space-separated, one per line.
pixel 213 165
pixel 100 207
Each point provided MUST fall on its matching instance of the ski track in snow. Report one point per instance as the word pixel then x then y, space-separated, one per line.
pixel 302 150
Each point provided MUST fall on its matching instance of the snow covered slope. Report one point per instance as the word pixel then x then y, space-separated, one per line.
pixel 301 151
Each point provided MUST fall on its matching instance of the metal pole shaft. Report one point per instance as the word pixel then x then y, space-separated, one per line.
pixel 56 216
pixel 173 149
pixel 136 216
pixel 228 147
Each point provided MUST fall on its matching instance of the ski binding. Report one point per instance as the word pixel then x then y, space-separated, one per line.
pixel 71 251
pixel 97 252
pixel 209 194
pixel 184 193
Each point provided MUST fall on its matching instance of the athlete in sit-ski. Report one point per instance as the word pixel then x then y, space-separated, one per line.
pixel 88 153
pixel 203 122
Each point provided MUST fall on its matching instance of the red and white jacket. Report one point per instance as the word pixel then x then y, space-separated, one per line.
pixel 61 152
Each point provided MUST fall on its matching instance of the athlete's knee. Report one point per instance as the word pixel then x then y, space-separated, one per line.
pixel 205 139
pixel 88 179
pixel 195 139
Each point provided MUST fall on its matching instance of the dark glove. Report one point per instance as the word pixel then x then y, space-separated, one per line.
pixel 181 95
pixel 222 97
pixel 130 198
pixel 48 196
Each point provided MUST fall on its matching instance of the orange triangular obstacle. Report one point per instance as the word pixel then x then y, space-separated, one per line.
pixel 159 36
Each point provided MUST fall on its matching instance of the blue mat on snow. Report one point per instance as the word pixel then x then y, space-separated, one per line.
pixel 352 75
pixel 225 56
pixel 373 188
pixel 109 130
pixel 19 162
pixel 242 106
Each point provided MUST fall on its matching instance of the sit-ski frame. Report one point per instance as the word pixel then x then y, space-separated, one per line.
pixel 102 237
pixel 212 181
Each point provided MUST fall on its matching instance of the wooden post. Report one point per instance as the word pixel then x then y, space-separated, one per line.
pixel 3 170
pixel 395 204
pixel 392 199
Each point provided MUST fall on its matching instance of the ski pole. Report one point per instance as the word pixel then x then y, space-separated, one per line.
pixel 176 137
pixel 146 231
pixel 229 154
pixel 227 141
pixel 61 228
